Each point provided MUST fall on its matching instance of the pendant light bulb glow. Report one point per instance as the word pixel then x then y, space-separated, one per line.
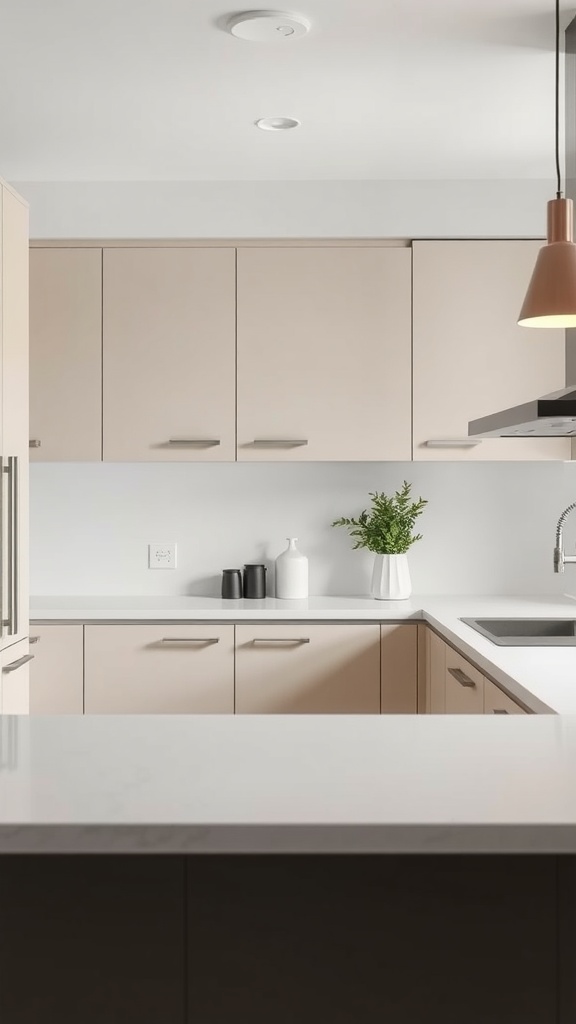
pixel 551 297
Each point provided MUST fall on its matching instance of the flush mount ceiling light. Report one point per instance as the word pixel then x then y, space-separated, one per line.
pixel 277 124
pixel 551 297
pixel 268 26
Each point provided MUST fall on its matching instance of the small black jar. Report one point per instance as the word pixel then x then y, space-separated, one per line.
pixel 255 581
pixel 231 584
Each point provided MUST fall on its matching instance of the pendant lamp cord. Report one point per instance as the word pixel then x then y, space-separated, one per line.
pixel 557 104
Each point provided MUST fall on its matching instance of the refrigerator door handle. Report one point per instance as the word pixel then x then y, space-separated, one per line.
pixel 15 544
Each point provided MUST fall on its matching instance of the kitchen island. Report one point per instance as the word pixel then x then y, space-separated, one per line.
pixel 401 868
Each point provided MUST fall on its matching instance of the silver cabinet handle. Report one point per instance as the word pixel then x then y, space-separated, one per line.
pixel 499 711
pixel 453 442
pixel 269 442
pixel 13 545
pixel 461 677
pixel 34 444
pixel 281 640
pixel 18 664
pixel 194 442
pixel 33 639
pixel 190 640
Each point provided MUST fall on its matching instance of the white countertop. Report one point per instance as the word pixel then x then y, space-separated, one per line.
pixel 112 609
pixel 389 784
pixel 543 678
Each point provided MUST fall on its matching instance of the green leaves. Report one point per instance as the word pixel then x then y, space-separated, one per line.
pixel 387 528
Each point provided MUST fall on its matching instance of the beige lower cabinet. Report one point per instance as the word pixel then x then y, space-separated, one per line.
pixel 435 660
pixel 308 669
pixel 399 670
pixel 159 669
pixel 15 679
pixel 464 686
pixel 453 685
pixel 496 702
pixel 57 671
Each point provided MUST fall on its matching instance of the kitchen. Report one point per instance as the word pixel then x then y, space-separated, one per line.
pixel 350 328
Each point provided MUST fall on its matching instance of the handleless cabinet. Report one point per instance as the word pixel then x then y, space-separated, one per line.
pixel 169 354
pixel 308 669
pixel 57 671
pixel 470 356
pixel 435 659
pixel 324 361
pixel 159 669
pixel 399 669
pixel 65 354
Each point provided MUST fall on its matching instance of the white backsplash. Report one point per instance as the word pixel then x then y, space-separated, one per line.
pixel 488 529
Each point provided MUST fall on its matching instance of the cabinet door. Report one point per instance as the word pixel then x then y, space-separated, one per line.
pixel 159 669
pixel 464 686
pixel 169 354
pixel 496 702
pixel 66 355
pixel 435 674
pixel 14 501
pixel 399 669
pixel 57 672
pixel 15 679
pixel 324 359
pixel 470 357
pixel 306 669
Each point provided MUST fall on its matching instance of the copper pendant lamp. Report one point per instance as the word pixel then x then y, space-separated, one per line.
pixel 551 297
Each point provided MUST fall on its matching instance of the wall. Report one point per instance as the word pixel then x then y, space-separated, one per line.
pixel 489 528
pixel 287 209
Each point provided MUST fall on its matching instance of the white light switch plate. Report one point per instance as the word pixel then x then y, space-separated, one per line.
pixel 162 556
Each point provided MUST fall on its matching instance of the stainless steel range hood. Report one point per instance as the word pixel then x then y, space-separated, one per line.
pixel 550 416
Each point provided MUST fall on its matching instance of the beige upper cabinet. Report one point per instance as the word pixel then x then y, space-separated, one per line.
pixel 169 354
pixel 308 669
pixel 65 354
pixel 470 357
pixel 324 353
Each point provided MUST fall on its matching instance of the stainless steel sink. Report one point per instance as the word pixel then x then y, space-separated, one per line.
pixel 526 632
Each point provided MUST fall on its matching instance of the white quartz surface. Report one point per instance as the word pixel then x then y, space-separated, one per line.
pixel 213 784
pixel 543 678
pixel 216 609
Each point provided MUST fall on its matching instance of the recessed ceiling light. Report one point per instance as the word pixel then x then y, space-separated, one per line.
pixel 268 26
pixel 277 124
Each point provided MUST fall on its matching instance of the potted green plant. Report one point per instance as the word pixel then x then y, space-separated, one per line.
pixel 387 530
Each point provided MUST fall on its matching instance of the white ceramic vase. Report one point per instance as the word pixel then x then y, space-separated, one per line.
pixel 291 573
pixel 391 578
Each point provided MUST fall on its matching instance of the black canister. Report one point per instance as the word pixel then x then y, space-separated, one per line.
pixel 231 583
pixel 255 581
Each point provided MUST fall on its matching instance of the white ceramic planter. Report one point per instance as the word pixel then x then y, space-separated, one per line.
pixel 391 578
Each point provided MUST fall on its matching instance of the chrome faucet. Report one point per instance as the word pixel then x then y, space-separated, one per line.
pixel 560 558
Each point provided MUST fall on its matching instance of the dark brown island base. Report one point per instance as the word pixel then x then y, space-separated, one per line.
pixel 169 939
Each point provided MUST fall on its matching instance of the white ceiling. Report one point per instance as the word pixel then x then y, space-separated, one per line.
pixel 156 90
